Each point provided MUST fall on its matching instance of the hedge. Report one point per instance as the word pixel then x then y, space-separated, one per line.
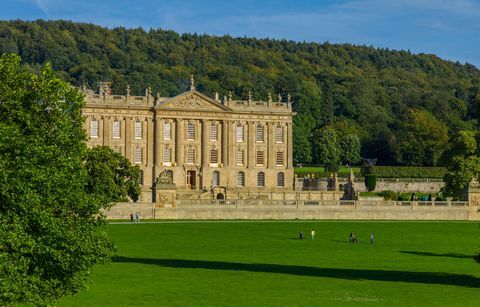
pixel 379 171
pixel 408 172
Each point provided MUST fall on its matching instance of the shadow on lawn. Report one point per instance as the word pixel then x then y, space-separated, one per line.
pixel 450 255
pixel 350 274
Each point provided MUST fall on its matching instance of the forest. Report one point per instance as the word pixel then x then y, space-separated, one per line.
pixel 398 107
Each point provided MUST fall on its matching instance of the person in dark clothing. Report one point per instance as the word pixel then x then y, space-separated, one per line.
pixel 131 217
pixel 300 235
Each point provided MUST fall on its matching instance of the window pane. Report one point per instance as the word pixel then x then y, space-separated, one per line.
pixel 259 134
pixel 141 177
pixel 279 158
pixel 116 129
pixel 239 157
pixel 260 157
pixel 138 154
pixel 138 129
pixel 241 179
pixel 167 155
pixel 279 135
pixel 167 131
pixel 239 134
pixel 214 156
pixel 191 131
pixel 191 156
pixel 261 179
pixel 94 128
pixel 281 180
pixel 213 132
pixel 215 179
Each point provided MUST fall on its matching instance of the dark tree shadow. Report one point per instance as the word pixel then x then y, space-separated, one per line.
pixel 449 255
pixel 462 280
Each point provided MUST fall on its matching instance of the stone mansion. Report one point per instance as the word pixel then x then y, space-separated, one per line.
pixel 195 145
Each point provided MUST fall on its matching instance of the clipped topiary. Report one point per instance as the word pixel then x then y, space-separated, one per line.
pixel 370 182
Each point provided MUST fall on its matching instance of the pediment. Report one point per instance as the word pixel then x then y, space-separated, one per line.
pixel 192 100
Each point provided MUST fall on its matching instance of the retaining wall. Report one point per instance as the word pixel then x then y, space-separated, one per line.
pixel 331 210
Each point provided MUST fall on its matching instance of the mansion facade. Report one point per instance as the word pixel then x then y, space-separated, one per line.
pixel 199 144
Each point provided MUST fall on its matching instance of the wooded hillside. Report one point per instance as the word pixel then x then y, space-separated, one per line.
pixel 402 106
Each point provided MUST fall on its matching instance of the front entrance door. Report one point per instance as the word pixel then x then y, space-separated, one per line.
pixel 191 180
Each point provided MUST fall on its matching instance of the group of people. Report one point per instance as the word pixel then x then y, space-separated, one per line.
pixel 352 238
pixel 301 236
pixel 137 217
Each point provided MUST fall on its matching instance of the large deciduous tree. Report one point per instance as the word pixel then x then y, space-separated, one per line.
pixel 327 148
pixel 50 226
pixel 463 163
pixel 111 176
pixel 424 139
pixel 350 148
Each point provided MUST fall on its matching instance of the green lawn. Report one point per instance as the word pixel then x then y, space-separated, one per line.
pixel 262 263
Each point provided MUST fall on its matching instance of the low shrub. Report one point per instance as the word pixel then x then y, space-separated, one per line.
pixel 388 195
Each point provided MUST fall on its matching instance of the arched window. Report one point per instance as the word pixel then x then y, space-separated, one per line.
pixel 261 179
pixel 241 179
pixel 215 178
pixel 280 180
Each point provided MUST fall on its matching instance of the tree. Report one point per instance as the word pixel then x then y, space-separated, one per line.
pixel 463 163
pixel 302 150
pixel 327 148
pixel 423 140
pixel 111 176
pixel 51 231
pixel 350 148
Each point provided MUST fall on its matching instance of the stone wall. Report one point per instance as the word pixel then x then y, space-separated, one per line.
pixel 301 209
pixel 426 185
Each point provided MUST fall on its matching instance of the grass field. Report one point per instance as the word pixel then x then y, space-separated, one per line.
pixel 262 263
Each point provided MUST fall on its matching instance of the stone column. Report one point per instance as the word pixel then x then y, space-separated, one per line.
pixel 100 130
pixel 179 141
pixel 157 139
pixel 107 123
pixel 270 145
pixel 225 143
pixel 128 138
pixel 148 134
pixel 289 145
pixel 231 141
pixel 204 143
pixel 251 144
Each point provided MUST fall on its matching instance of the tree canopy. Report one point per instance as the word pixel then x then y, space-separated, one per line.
pixel 370 92
pixel 111 176
pixel 463 163
pixel 50 226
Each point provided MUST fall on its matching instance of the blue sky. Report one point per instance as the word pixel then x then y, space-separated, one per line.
pixel 448 28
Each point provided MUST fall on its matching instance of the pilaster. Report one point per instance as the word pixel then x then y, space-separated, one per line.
pixel 179 141
pixel 289 145
pixel 127 134
pixel 225 134
pixel 251 144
